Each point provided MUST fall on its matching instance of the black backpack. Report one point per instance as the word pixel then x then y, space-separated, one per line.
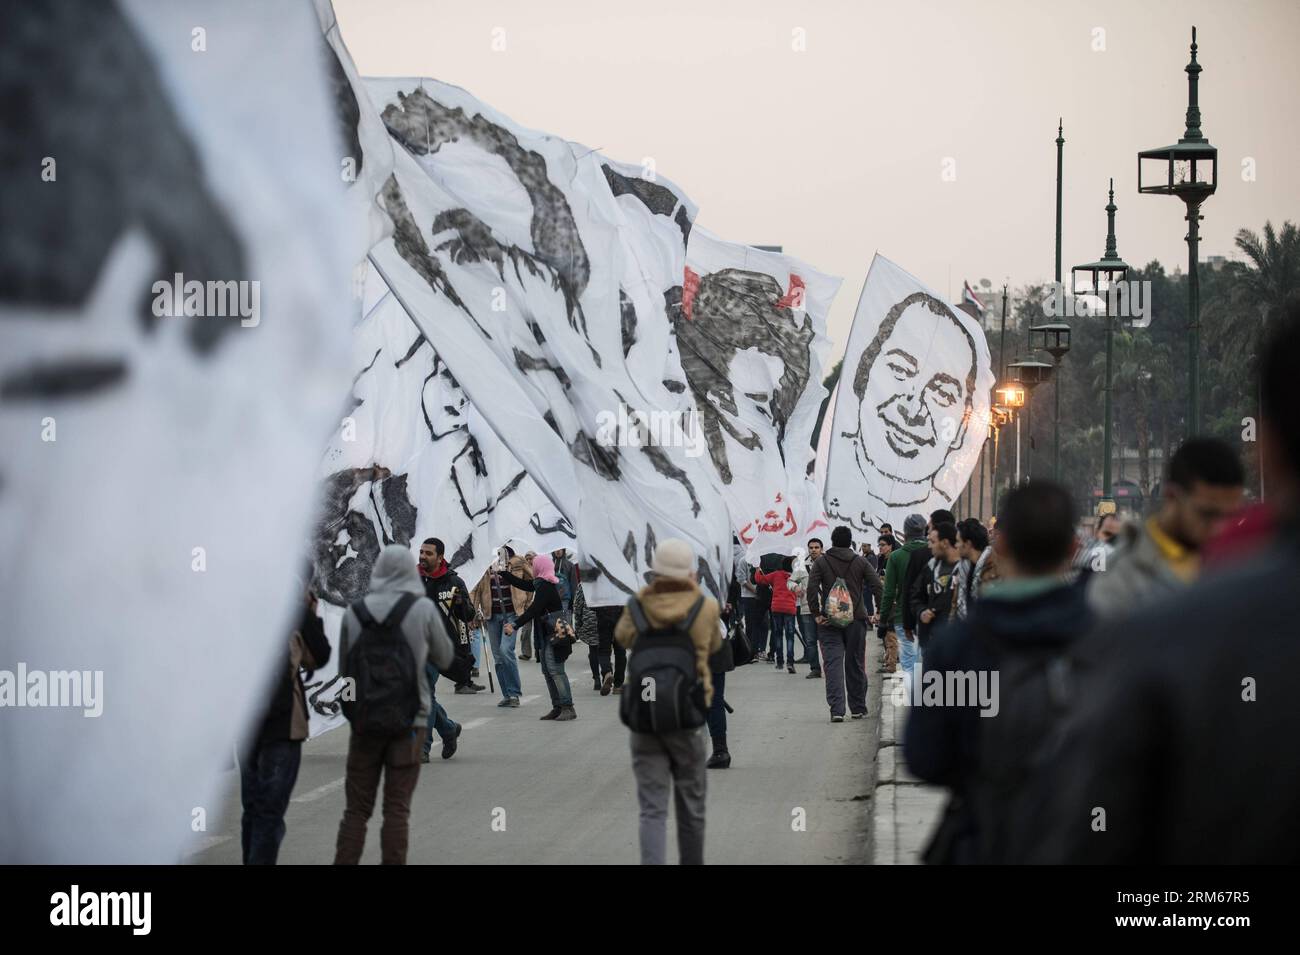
pixel 664 691
pixel 384 673
pixel 1012 792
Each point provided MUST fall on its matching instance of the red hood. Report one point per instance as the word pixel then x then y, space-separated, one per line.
pixel 442 570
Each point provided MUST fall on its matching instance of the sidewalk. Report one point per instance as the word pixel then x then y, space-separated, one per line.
pixel 906 810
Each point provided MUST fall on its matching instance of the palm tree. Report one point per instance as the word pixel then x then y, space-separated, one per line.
pixel 1141 373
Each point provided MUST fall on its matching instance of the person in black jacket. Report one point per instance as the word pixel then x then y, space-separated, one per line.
pixel 917 566
pixel 720 664
pixel 449 594
pixel 547 601
pixel 269 767
pixel 1006 667
pixel 1187 721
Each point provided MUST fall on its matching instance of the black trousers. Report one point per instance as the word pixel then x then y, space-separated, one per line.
pixel 606 619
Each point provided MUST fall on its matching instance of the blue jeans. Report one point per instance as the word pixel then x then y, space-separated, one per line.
pixel 439 721
pixel 557 683
pixel 808 633
pixel 266 778
pixel 476 646
pixel 503 652
pixel 783 633
pixel 907 652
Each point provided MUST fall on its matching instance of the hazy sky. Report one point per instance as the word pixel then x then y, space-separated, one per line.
pixel 837 151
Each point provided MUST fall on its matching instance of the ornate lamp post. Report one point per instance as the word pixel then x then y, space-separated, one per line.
pixel 1101 276
pixel 1031 373
pixel 1189 169
pixel 1011 398
pixel 1053 338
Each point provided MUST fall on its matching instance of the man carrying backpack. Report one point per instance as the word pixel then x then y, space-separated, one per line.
pixel 672 629
pixel 384 641
pixel 993 750
pixel 842 621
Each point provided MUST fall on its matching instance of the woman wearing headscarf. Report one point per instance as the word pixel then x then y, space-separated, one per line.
pixel 545 610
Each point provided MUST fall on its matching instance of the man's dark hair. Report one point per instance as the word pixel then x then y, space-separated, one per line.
pixel 1036 521
pixel 887 328
pixel 436 544
pixel 975 532
pixel 815 540
pixel 947 531
pixel 942 516
pixel 842 537
pixel 1281 355
pixel 886 528
pixel 888 540
pixel 1207 460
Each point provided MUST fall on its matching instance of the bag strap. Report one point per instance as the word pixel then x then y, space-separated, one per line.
pixel 366 618
pixel 689 622
pixel 398 613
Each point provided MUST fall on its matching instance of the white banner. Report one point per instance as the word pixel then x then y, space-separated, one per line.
pixel 537 269
pixel 174 299
pixel 912 407
pixel 751 333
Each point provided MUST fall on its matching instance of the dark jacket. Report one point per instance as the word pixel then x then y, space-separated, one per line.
pixel 1188 726
pixel 450 595
pixel 286 713
pixel 931 594
pixel 916 565
pixel 857 573
pixel 546 598
pixel 999 811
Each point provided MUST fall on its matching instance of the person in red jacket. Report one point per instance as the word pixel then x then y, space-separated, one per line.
pixel 784 608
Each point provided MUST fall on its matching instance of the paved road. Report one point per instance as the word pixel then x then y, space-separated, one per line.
pixel 568 792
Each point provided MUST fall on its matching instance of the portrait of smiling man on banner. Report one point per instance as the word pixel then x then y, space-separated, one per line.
pixel 907 427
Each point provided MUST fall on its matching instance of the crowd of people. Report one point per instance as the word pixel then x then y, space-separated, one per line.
pixel 1137 706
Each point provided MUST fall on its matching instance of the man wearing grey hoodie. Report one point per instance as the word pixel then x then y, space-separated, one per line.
pixel 395 758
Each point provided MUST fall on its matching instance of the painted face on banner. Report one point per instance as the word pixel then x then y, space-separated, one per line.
pixel 917 396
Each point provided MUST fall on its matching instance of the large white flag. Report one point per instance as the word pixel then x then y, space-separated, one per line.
pixel 173 294
pixel 412 459
pixel 539 271
pixel 751 332
pixel 912 407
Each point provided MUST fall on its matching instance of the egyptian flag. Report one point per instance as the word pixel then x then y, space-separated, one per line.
pixel 968 296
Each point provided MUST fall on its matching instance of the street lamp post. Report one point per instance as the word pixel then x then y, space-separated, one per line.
pixel 1053 338
pixel 1031 373
pixel 1105 274
pixel 1189 169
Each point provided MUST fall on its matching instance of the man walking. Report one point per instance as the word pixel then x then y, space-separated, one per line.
pixel 670 614
pixel 445 588
pixel 388 634
pixel 493 609
pixel 894 599
pixel 807 625
pixel 843 649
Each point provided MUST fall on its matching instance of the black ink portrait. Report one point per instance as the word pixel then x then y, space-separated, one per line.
pixel 915 386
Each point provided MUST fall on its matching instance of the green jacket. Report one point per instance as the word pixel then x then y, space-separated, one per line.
pixel 895 569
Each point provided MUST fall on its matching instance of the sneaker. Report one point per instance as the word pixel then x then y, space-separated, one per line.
pixel 858 716
pixel 553 715
pixel 837 719
pixel 790 668
pixel 424 757
pixel 465 688
pixel 513 702
pixel 505 702
pixel 567 713
pixel 449 745
pixel 607 684
pixel 525 656
pixel 617 690
pixel 476 687
pixel 814 675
